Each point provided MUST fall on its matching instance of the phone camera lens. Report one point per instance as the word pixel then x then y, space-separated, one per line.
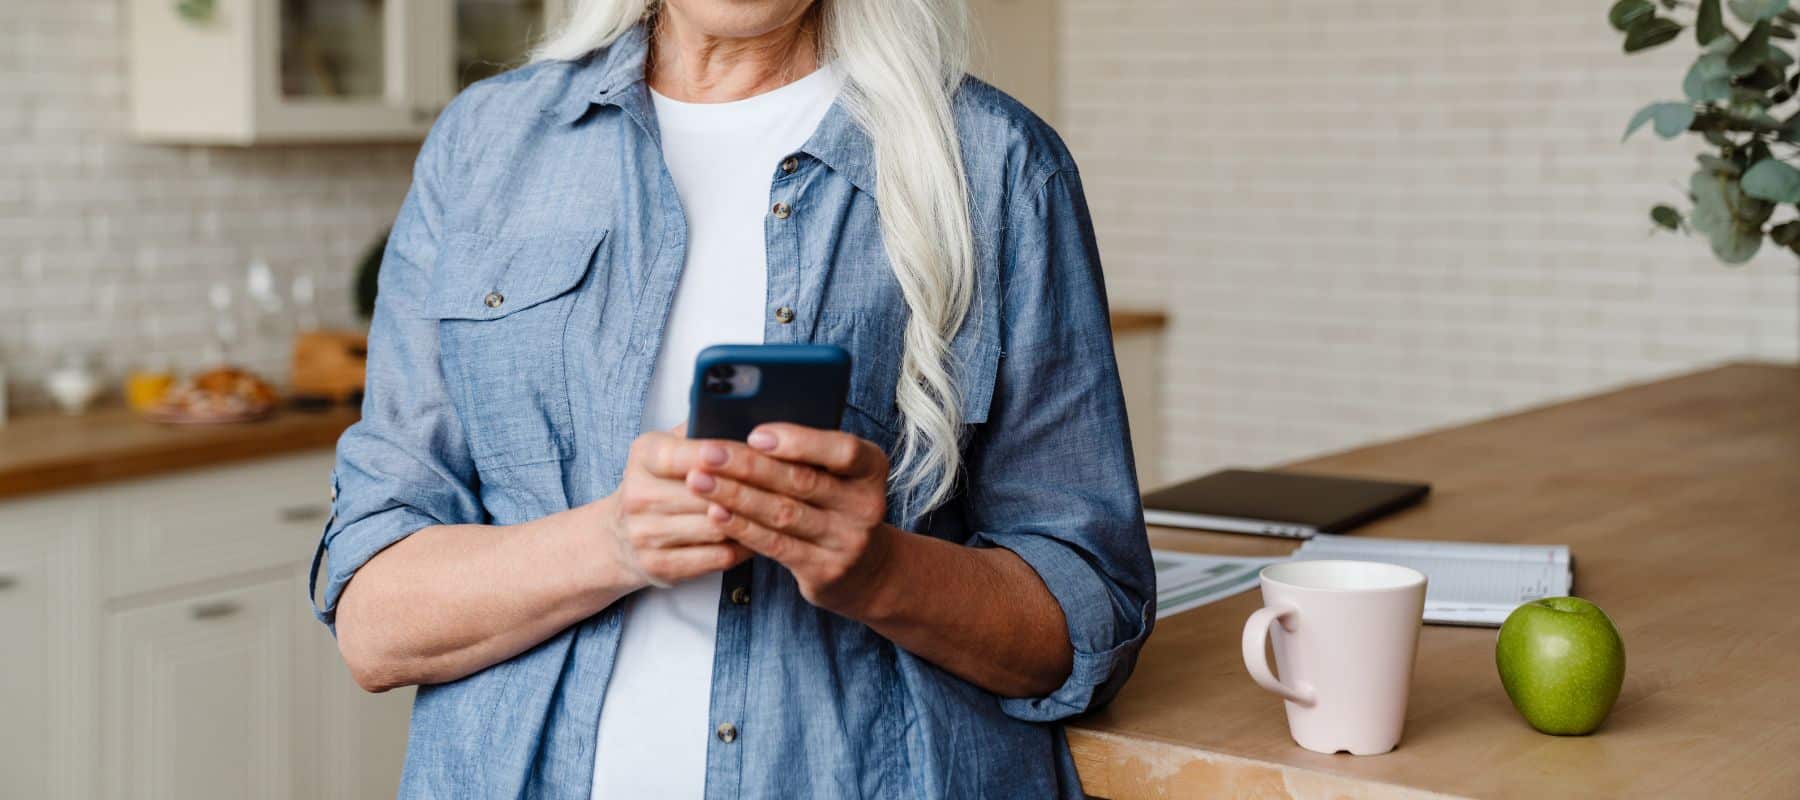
pixel 718 379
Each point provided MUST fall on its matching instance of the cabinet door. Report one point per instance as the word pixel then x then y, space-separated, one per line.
pixel 452 45
pixel 199 696
pixel 361 744
pixel 48 617
pixel 337 69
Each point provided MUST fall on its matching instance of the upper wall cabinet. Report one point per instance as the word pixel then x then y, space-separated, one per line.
pixel 265 71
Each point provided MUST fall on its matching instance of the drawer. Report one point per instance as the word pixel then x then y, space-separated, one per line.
pixel 216 522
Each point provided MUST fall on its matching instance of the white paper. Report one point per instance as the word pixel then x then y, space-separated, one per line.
pixel 1186 581
pixel 1467 583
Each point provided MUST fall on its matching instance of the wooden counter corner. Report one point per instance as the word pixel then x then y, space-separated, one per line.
pixel 1680 501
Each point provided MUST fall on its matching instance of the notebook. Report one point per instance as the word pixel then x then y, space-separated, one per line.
pixel 1296 505
pixel 1466 583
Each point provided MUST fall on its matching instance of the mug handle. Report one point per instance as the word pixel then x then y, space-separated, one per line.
pixel 1256 631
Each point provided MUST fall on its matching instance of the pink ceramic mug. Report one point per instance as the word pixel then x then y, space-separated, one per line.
pixel 1344 634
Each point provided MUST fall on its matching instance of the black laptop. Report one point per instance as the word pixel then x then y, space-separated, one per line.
pixel 1290 504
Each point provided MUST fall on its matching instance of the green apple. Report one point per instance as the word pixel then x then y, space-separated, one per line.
pixel 1562 663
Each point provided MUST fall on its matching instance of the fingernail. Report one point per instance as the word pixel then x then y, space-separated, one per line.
pixel 701 482
pixel 713 454
pixel 718 513
pixel 761 440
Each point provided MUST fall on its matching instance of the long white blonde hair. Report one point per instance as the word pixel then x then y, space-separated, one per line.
pixel 902 61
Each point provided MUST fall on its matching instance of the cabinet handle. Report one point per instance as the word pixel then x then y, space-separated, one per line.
pixel 309 513
pixel 7 582
pixel 222 608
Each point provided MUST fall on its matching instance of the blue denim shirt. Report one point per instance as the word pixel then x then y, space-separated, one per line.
pixel 522 301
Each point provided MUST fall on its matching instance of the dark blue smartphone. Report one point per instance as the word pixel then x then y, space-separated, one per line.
pixel 740 386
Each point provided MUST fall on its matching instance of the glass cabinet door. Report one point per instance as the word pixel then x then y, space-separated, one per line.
pixel 493 36
pixel 333 49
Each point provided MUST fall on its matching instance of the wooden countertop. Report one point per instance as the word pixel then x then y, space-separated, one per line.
pixel 49 452
pixel 1681 503
pixel 1138 321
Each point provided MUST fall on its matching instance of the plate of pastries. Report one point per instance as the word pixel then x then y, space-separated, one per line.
pixel 223 394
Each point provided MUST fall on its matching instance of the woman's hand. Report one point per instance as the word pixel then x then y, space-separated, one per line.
pixel 812 500
pixel 662 532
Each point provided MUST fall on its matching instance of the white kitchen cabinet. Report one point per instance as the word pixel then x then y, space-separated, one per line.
pixel 361 744
pixel 260 71
pixel 191 526
pixel 199 696
pixel 48 618
pixel 157 643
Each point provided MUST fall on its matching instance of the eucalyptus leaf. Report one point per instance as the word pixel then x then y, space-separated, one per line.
pixel 1786 234
pixel 1672 119
pixel 1752 11
pixel 1625 12
pixel 1710 214
pixel 1772 180
pixel 1708 80
pixel 1709 24
pixel 1789 16
pixel 1781 32
pixel 1778 56
pixel 1790 129
pixel 1666 217
pixel 1752 52
pixel 1759 121
pixel 1722 45
pixel 1766 77
pixel 1720 204
pixel 1649 32
pixel 1752 153
pixel 1713 65
pixel 1737 245
pixel 1717 201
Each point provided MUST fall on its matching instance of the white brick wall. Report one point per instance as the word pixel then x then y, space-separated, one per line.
pixel 83 208
pixel 1373 217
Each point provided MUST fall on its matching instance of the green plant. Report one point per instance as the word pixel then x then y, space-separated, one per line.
pixel 368 271
pixel 1733 91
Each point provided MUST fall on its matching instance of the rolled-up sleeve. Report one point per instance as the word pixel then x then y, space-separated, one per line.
pixel 1050 473
pixel 405 465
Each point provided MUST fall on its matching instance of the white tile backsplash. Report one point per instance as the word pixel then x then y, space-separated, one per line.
pixel 85 210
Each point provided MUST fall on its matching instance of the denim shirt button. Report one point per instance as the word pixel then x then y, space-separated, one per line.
pixel 780 210
pixel 788 166
pixel 727 732
pixel 494 299
pixel 784 315
pixel 740 596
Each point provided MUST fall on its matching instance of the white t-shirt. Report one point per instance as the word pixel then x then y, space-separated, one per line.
pixel 654 721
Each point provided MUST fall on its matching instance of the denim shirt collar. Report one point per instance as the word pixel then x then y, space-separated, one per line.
pixel 615 76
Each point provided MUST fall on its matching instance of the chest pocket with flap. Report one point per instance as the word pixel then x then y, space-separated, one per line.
pixel 503 307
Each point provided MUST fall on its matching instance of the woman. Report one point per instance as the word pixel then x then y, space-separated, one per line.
pixel 592 603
